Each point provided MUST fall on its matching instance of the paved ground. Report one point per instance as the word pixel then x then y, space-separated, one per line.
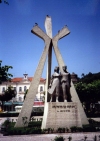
pixel 50 137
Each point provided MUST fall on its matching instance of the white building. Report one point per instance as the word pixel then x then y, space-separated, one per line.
pixel 21 84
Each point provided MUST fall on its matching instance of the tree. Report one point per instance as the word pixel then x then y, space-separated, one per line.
pixel 90 77
pixel 82 75
pixel 4 75
pixel 7 95
pixel 6 2
pixel 89 93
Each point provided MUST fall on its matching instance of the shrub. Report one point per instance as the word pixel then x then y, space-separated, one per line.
pixel 6 123
pixel 23 131
pixel 73 129
pixel 34 128
pixel 63 130
pixel 95 138
pixel 52 129
pixel 59 130
pixel 49 129
pixel 88 128
pixel 67 130
pixel 9 114
pixel 69 138
pixel 79 129
pixel 60 138
pixel 35 124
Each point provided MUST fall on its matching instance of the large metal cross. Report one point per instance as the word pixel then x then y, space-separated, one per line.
pixel 49 43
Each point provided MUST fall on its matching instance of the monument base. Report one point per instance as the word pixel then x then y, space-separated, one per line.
pixel 61 114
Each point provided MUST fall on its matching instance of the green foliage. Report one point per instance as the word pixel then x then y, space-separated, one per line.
pixel 88 88
pixel 25 122
pixel 52 129
pixel 62 130
pixel 73 129
pixel 67 130
pixel 76 129
pixel 89 93
pixel 59 138
pixel 95 138
pixel 35 124
pixel 4 75
pixel 89 128
pixel 24 131
pixel 8 94
pixel 9 114
pixel 85 138
pixel 6 126
pixel 6 123
pixel 59 130
pixel 11 130
pixel 94 123
pixel 90 77
pixel 6 2
pixel 79 129
pixel 69 138
pixel 48 130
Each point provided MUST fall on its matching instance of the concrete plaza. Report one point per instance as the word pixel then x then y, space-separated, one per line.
pixel 50 137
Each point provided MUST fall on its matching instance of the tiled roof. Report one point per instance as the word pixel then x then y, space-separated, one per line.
pixel 19 79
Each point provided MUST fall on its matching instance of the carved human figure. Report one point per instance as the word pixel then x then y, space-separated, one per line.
pixel 66 84
pixel 54 87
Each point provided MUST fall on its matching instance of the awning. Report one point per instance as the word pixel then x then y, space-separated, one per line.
pixel 13 103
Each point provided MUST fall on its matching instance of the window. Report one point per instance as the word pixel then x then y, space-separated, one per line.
pixel 41 98
pixel 3 89
pixel 14 88
pixel 20 89
pixel 41 89
pixel 25 88
pixel 20 98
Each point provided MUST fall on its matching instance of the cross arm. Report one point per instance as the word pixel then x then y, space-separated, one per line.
pixel 37 31
pixel 62 33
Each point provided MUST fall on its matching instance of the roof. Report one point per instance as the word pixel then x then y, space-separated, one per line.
pixel 14 103
pixel 20 79
pixel 36 103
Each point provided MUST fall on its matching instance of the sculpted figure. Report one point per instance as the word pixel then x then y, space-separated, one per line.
pixel 54 87
pixel 66 84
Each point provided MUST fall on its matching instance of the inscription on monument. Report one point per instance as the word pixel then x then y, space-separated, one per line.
pixel 64 108
pixel 63 114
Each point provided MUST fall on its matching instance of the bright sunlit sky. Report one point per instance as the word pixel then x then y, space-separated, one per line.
pixel 22 49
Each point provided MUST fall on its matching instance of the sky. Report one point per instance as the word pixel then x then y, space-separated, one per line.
pixel 22 49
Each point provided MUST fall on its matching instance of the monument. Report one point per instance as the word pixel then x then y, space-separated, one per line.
pixel 62 105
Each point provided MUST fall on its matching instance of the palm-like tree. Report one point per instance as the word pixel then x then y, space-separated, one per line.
pixel 7 95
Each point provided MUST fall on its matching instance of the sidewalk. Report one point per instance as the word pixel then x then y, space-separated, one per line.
pixel 50 137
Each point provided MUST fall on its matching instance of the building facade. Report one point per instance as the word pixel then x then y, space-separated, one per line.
pixel 21 85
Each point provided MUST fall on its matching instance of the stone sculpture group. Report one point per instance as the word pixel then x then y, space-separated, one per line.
pixel 59 88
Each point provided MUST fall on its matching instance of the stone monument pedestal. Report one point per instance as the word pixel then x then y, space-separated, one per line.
pixel 61 114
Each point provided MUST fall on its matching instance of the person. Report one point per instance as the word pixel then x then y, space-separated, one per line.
pixel 54 87
pixel 66 84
